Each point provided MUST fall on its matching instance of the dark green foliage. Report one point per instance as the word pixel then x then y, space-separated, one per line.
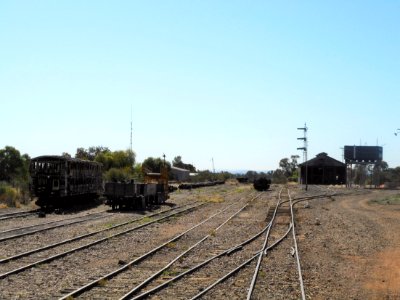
pixel 115 175
pixel 153 165
pixel 14 168
pixel 110 159
pixel 117 165
pixel 279 176
pixel 91 153
pixel 289 166
pixel 177 162
pixel 253 175
pixel 14 172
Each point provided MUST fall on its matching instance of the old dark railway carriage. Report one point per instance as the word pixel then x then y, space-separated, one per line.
pixel 58 179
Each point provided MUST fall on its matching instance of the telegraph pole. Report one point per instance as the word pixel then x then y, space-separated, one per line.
pixel 304 148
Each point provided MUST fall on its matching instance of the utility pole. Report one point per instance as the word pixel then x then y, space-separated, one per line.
pixel 304 148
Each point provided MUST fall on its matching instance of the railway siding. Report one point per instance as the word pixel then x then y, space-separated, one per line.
pixel 341 239
pixel 96 260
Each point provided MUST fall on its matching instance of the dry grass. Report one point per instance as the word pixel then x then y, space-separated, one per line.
pixel 171 245
pixel 389 200
pixel 146 220
pixel 211 198
pixel 102 282
pixel 11 196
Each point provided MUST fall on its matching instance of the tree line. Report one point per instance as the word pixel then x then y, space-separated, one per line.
pixel 121 165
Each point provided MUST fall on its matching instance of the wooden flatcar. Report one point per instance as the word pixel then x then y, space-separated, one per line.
pixel 154 190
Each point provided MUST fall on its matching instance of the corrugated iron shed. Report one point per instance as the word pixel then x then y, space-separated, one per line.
pixel 323 169
pixel 180 174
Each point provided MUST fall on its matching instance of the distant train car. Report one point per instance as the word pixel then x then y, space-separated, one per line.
pixel 154 190
pixel 134 195
pixel 242 179
pixel 195 185
pixel 58 179
pixel 262 184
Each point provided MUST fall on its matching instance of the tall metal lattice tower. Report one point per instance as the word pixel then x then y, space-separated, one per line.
pixel 304 148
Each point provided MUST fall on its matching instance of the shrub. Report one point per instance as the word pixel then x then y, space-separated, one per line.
pixel 9 196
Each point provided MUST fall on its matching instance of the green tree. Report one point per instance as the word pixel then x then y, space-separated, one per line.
pixel 106 159
pixel 289 166
pixel 91 153
pixel 123 159
pixel 252 175
pixel 360 174
pixel 118 174
pixel 13 166
pixel 279 176
pixel 177 162
pixel 285 166
pixel 152 164
pixel 14 172
pixel 109 159
pixel 66 154
pixel 379 171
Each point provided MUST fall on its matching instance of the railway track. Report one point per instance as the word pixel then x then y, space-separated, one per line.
pixel 71 268
pixel 14 215
pixel 38 256
pixel 169 252
pixel 200 261
pixel 36 228
pixel 283 221
pixel 226 254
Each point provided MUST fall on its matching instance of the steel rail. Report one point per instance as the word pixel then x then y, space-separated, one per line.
pixel 6 238
pixel 79 237
pixel 160 271
pixel 237 269
pixel 303 295
pixel 234 271
pixel 56 256
pixel 50 222
pixel 7 216
pixel 264 247
pixel 95 282
pixel 227 252
pixel 300 199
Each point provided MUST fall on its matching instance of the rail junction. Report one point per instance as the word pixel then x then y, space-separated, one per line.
pixel 215 242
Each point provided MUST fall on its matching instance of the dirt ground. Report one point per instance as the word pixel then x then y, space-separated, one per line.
pixel 349 244
pixel 350 247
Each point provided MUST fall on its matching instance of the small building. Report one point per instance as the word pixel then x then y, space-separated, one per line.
pixel 323 169
pixel 180 174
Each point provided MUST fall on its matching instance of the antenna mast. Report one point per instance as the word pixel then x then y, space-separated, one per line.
pixel 131 127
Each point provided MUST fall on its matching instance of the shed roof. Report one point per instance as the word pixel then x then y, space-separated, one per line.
pixel 322 159
pixel 179 169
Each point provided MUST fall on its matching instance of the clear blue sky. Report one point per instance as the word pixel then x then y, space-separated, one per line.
pixel 230 80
